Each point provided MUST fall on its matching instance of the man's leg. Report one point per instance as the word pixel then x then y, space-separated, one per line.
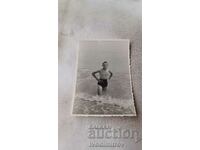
pixel 99 90
pixel 104 89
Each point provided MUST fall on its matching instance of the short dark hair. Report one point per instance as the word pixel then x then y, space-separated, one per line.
pixel 104 62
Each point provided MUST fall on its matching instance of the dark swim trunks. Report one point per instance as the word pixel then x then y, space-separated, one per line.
pixel 103 83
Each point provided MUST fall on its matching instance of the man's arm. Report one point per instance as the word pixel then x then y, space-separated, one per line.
pixel 94 75
pixel 111 74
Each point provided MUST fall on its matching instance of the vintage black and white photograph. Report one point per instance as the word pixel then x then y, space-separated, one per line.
pixel 103 79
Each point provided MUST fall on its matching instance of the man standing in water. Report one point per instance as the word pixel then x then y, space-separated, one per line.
pixel 104 76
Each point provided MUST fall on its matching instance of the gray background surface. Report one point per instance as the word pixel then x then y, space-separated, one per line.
pixel 97 19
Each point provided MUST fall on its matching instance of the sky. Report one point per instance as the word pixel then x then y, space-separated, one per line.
pixel 93 53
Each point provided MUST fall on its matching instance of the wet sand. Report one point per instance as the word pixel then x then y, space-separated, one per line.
pixel 83 106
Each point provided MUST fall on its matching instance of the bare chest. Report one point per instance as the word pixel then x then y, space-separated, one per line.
pixel 104 74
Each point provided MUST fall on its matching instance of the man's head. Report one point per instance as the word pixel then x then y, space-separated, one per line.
pixel 105 65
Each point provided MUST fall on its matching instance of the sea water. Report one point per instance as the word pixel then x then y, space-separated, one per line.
pixel 117 99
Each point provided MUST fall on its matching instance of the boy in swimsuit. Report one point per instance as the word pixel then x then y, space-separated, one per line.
pixel 104 76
